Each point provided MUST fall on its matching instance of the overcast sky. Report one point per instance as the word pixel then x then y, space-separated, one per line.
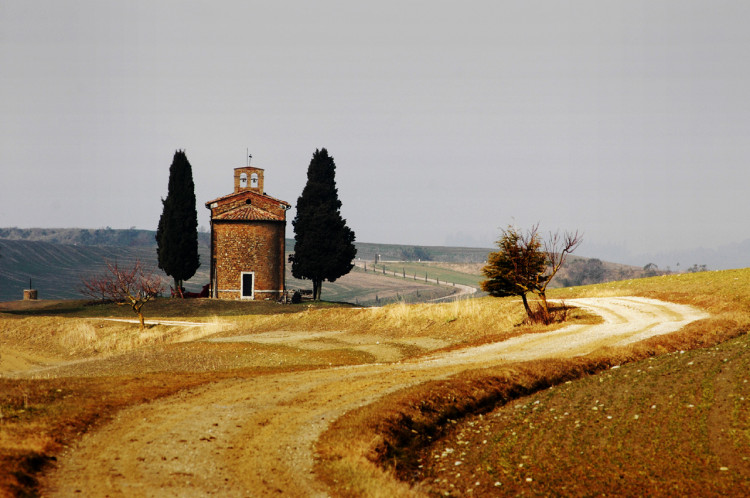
pixel 628 120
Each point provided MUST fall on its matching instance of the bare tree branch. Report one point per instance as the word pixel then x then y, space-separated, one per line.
pixel 133 286
pixel 558 247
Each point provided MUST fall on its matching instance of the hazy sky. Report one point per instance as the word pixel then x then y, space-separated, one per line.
pixel 628 120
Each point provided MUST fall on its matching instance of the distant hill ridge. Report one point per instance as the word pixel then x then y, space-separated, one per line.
pixel 55 259
pixel 103 237
pixel 95 237
pixel 55 270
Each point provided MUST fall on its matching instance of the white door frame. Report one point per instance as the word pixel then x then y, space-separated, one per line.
pixel 242 285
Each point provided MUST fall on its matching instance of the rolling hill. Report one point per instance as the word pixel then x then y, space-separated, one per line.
pixel 53 261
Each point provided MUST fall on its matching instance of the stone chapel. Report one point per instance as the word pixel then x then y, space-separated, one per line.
pixel 248 230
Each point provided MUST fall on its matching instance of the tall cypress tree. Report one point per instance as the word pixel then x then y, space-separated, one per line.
pixel 324 245
pixel 177 234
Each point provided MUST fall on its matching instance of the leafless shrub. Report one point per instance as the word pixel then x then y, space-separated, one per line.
pixel 133 286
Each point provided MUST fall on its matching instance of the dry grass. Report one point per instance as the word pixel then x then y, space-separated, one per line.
pixel 464 320
pixel 460 323
pixel 714 291
pixel 84 394
pixel 40 417
pixel 362 450
pixel 72 338
pixel 397 433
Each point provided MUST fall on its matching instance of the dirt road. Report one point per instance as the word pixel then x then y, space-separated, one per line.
pixel 255 437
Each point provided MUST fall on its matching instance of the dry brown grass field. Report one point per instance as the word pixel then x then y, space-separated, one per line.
pixel 668 416
pixel 516 428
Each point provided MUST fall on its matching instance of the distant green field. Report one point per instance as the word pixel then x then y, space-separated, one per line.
pixel 368 251
pixel 372 289
pixel 420 271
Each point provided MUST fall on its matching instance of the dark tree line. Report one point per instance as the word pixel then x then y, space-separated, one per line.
pixel 584 272
pixel 415 253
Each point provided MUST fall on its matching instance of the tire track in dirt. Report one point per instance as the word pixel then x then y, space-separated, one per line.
pixel 254 437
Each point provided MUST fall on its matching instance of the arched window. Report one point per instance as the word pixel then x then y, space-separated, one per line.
pixel 254 180
pixel 243 180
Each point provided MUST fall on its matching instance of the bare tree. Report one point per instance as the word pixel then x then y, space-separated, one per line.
pixel 557 246
pixel 133 286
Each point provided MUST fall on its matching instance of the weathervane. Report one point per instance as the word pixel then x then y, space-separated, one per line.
pixel 249 156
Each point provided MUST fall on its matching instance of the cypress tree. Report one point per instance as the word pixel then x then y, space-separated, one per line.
pixel 324 245
pixel 177 233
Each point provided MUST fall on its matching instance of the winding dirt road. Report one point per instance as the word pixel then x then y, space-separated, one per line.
pixel 254 437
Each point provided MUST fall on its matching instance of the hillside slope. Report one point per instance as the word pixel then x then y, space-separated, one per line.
pixel 101 237
pixel 55 270
pixel 55 259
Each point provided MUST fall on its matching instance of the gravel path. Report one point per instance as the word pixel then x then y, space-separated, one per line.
pixel 254 437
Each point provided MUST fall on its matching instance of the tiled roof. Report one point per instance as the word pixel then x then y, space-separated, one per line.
pixel 248 212
pixel 229 196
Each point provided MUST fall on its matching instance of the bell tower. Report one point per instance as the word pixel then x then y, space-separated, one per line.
pixel 248 178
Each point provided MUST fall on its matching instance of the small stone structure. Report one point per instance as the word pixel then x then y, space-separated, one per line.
pixel 248 230
pixel 29 295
